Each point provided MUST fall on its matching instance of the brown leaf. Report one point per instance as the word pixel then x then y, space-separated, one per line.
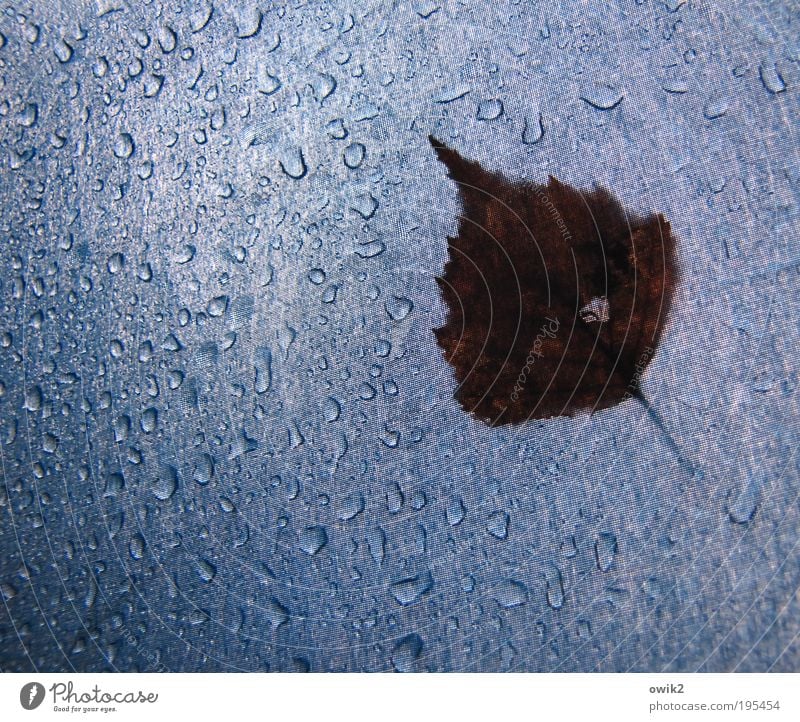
pixel 556 297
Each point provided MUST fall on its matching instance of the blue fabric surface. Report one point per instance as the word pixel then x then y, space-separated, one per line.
pixel 228 440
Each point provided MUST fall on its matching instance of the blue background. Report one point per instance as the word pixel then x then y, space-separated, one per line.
pixel 227 437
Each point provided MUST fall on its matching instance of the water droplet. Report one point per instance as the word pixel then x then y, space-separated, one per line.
pixel 331 409
pixel 425 8
pixel 123 146
pixel 602 97
pixel 149 420
pixel 376 541
pixel 398 307
pixel 275 613
pixel 370 249
pixel 771 78
pixel 293 163
pixel 715 108
pixel 28 115
pixel 351 506
pixel 336 129
pixel 406 653
pixel 533 130
pixel 510 593
pixel 490 109
pixel 115 483
pixel 152 85
pixel 116 262
pixel 455 512
pixel 49 443
pixel 62 51
pixel 329 294
pixel 248 21
pixel 366 391
pixel 263 369
pixel 365 205
pixel 167 39
pixel 745 504
pixel 33 399
pixel 497 524
pixel 676 86
pixel 171 343
pixel 136 546
pixel 409 590
pixel 555 586
pixel 324 85
pixel 451 93
pixel 312 539
pixel 217 306
pixel 206 570
pixel 201 17
pixel 203 469
pixel 354 155
pixel 605 549
pixel 268 83
pixel 166 483
pixel 122 428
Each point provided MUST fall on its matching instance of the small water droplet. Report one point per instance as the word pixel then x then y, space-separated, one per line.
pixel 533 130
pixel 136 546
pixel 248 22
pixel 497 524
pixel 268 83
pixel 406 653
pixel 331 409
pixel 62 50
pixel 206 570
pixel 409 590
pixel 455 512
pixel 351 506
pixel 398 307
pixel 293 163
pixel 217 306
pixel 451 93
pixel 425 8
pixel 555 586
pixel 152 85
pixel 745 502
pixel 715 108
pixel 771 78
pixel 354 155
pixel 166 483
pixel 276 613
pixel 605 549
pixel 149 420
pixel 365 205
pixel 203 469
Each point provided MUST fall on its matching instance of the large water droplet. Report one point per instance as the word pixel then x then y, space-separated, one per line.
pixel 312 539
pixel 123 146
pixel 510 593
pixel 490 109
pixel 602 97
